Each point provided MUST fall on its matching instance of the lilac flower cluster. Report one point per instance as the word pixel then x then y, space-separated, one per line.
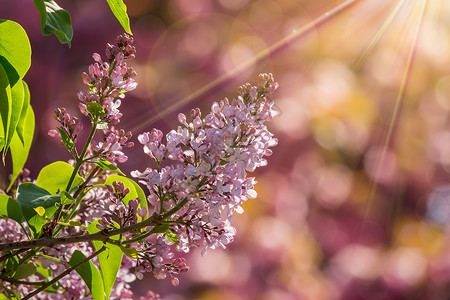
pixel 70 125
pixel 112 144
pixel 199 195
pixel 109 80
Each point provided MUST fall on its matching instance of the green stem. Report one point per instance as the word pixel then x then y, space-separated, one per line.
pixel 80 160
pixel 6 256
pixel 175 208
pixel 78 164
pixel 24 230
pixel 78 194
pixel 52 258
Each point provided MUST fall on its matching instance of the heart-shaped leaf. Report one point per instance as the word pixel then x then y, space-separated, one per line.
pixel 55 177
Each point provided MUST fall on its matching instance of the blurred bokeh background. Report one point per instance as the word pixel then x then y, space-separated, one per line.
pixel 355 202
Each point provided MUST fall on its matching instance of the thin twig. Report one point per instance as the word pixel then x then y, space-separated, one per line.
pixel 67 271
pixel 99 236
pixel 83 185
pixel 15 281
pixel 4 257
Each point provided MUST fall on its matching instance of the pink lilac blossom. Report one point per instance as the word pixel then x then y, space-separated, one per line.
pixel 117 214
pixel 109 80
pixel 71 125
pixel 111 145
pixel 214 154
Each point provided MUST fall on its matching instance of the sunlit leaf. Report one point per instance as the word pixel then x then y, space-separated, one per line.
pixel 66 198
pixel 119 10
pixel 130 252
pixel 109 260
pixel 172 237
pixel 15 50
pixel 26 102
pixel 55 177
pixel 5 106
pixel 106 165
pixel 95 109
pixel 40 211
pixel 17 99
pixel 19 150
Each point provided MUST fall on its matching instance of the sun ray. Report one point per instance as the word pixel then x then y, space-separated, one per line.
pixel 398 103
pixel 379 34
pixel 275 48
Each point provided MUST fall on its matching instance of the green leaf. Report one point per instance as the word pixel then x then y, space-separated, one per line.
pixel 172 237
pixel 106 165
pixel 54 20
pixel 46 273
pixel 5 105
pixel 55 177
pixel 17 97
pixel 30 196
pixel 15 50
pixel 90 274
pixel 67 141
pixel 71 223
pixel 40 211
pixel 9 208
pixel 43 271
pixel 24 271
pixel 135 191
pixel 23 113
pixel 119 10
pixel 19 150
pixel 11 266
pixel 160 228
pixel 95 109
pixel 66 198
pixel 109 260
pixel 130 252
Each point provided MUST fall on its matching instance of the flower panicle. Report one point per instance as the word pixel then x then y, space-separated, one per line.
pixel 109 80
pixel 214 152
